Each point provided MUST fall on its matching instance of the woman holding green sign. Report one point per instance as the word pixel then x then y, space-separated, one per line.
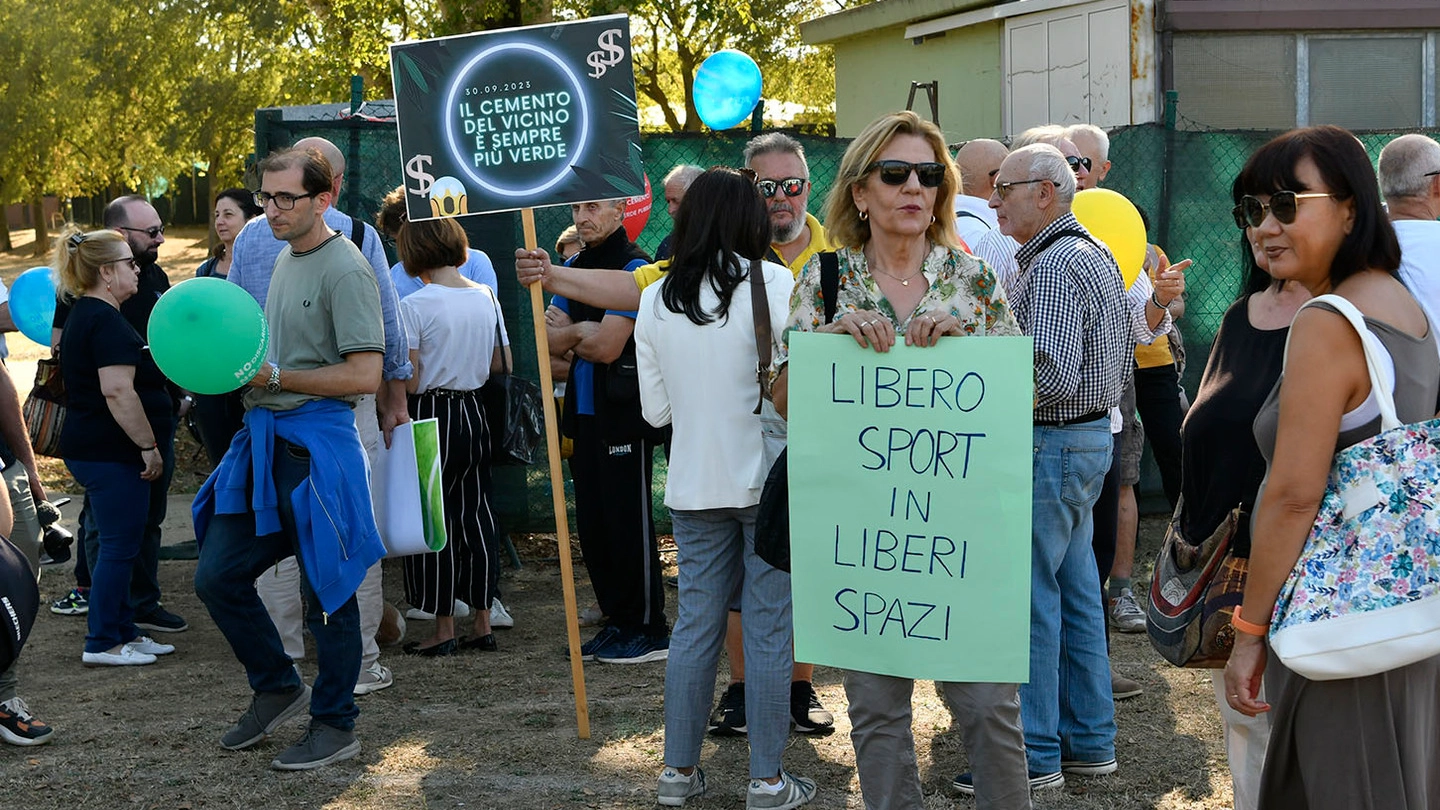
pixel 902 273
pixel 457 337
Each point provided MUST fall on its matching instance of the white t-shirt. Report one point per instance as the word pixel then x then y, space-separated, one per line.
pixel 1420 263
pixel 701 379
pixel 973 218
pixel 453 328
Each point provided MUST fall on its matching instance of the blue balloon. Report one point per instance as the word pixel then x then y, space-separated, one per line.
pixel 727 88
pixel 32 304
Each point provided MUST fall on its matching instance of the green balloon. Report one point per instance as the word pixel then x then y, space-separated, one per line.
pixel 208 335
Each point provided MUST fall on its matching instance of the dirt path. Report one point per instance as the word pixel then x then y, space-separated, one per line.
pixel 498 730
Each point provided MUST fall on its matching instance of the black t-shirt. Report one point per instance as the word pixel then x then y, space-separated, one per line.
pixel 96 336
pixel 1221 464
pixel 136 308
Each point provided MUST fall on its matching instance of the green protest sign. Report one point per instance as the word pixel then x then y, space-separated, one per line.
pixel 910 481
pixel 517 118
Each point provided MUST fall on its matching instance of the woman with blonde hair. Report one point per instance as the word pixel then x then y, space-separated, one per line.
pixel 118 412
pixel 902 272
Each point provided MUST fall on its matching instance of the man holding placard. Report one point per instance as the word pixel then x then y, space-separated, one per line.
pixel 1068 295
pixel 326 351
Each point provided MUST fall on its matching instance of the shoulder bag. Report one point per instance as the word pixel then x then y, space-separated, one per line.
pixel 44 408
pixel 1193 592
pixel 772 518
pixel 1364 596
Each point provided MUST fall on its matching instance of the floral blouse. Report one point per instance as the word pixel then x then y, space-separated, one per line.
pixel 960 284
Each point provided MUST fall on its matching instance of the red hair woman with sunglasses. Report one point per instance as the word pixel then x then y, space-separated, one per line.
pixel 1312 206
pixel 902 272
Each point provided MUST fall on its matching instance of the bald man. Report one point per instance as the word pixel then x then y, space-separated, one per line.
pixel 255 251
pixel 979 162
pixel 1410 181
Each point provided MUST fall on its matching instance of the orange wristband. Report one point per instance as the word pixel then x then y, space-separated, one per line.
pixel 1239 623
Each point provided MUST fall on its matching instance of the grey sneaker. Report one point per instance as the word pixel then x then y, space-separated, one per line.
pixel 794 791
pixel 320 746
pixel 676 787
pixel 268 710
pixel 1125 613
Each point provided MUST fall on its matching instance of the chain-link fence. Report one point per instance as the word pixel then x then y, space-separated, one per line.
pixel 1180 178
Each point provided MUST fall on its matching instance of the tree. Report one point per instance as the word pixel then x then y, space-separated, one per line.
pixel 672 37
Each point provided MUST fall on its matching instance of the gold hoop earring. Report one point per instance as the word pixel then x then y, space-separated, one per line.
pixel 864 216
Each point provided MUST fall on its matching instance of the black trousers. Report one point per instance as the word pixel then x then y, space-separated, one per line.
pixel 617 533
pixel 1157 398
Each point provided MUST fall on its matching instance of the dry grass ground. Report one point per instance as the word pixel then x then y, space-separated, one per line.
pixel 492 730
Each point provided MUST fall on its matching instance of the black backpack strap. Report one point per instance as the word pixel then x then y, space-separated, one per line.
pixel 977 217
pixel 1054 237
pixel 357 233
pixel 829 282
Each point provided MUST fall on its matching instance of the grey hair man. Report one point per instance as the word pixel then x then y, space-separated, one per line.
pixel 997 249
pixel 1094 144
pixel 1410 181
pixel 1069 297
pixel 676 183
pixel 979 162
pixel 783 177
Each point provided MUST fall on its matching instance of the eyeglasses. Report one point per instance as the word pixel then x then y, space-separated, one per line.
pixel 1077 162
pixel 130 260
pixel 792 186
pixel 897 172
pixel 1251 212
pixel 283 201
pixel 1001 189
pixel 151 232
pixel 1431 174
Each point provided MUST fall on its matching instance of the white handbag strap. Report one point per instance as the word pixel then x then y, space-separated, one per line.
pixel 1373 357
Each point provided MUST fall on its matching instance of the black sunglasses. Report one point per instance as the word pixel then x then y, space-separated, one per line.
pixel 1251 212
pixel 791 186
pixel 1077 162
pixel 152 232
pixel 897 172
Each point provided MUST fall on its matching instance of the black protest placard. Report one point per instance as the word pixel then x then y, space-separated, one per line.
pixel 518 118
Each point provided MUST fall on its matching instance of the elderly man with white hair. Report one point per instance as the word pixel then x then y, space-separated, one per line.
pixel 1410 181
pixel 1068 296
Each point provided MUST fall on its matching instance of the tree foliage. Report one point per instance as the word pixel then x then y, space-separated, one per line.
pixel 107 96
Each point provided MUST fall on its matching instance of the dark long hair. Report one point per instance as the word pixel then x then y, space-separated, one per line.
pixel 1256 279
pixel 1346 169
pixel 720 217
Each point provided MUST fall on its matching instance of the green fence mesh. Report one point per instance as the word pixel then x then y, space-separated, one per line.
pixel 1180 178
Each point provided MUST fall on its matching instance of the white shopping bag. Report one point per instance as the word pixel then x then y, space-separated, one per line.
pixel 406 491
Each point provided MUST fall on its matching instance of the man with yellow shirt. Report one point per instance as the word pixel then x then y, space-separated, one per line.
pixel 782 178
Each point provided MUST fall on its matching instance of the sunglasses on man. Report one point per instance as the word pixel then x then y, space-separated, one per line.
pixel 790 186
pixel 897 172
pixel 1251 212
pixel 1077 162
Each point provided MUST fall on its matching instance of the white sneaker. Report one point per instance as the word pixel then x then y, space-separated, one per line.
pixel 1125 613
pixel 150 646
pixel 500 618
pixel 127 657
pixel 791 792
pixel 373 679
pixel 676 787
pixel 462 611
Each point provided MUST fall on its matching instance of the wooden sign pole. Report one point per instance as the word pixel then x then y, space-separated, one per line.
pixel 557 489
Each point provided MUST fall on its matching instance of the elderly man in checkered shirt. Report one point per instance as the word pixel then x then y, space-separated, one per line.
pixel 1070 298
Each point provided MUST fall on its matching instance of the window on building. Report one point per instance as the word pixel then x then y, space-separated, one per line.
pixel 1374 80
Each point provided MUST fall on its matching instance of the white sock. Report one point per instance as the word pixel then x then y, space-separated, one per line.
pixel 760 784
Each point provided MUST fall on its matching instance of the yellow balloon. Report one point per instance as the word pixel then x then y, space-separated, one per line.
pixel 1114 220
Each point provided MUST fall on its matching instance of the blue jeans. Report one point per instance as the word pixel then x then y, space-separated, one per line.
pixel 145 577
pixel 1067 707
pixel 717 552
pixel 231 557
pixel 113 488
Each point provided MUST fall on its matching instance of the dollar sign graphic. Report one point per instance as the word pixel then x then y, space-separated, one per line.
pixel 612 55
pixel 415 168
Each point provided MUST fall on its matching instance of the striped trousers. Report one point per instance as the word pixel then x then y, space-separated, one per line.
pixel 468 567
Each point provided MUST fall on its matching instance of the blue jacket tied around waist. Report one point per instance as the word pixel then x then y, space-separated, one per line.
pixel 334 518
